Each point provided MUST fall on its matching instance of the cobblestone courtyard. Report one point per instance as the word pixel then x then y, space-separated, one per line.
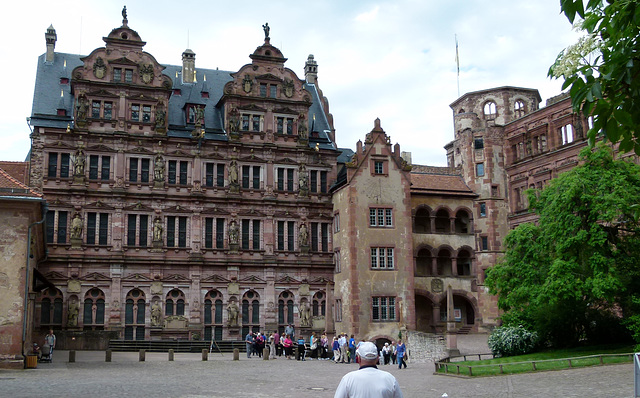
pixel 190 377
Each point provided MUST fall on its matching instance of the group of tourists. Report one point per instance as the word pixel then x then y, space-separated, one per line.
pixel 394 353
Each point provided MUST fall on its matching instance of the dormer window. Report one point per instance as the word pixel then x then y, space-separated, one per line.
pixel 273 90
pixel 128 75
pixel 263 89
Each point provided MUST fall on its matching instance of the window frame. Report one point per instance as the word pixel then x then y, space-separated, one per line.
pixel 383 309
pixel 384 253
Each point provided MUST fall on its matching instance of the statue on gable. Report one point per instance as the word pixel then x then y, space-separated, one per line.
pixel 266 29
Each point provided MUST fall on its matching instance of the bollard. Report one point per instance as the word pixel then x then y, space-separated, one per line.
pixel 171 355
pixel 205 354
pixel 141 355
pixel 295 352
pixel 107 355
pixel 265 354
pixel 236 354
pixel 72 356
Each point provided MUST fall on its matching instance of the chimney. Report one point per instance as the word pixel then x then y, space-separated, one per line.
pixel 188 66
pixel 50 37
pixel 406 156
pixel 311 70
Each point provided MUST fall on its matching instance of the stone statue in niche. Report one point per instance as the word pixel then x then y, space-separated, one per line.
pixel 78 163
pixel 72 315
pixel 234 232
pixel 156 314
pixel 233 173
pixel 303 235
pixel 81 108
pixel 158 168
pixel 157 230
pixel 305 314
pixel 303 180
pixel 232 313
pixel 76 227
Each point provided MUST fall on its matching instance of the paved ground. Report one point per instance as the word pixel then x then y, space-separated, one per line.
pixel 189 377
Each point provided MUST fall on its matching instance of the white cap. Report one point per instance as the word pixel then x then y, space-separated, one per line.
pixel 367 350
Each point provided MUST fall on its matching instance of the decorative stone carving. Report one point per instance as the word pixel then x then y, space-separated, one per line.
pixel 305 314
pixel 73 286
pixel 266 29
pixel 303 183
pixel 146 73
pixel 234 232
pixel 161 119
pixel 156 287
pixel 437 286
pixel 303 235
pixel 156 314
pixel 157 230
pixel 232 313
pixel 233 288
pixel 303 290
pixel 99 68
pixel 247 84
pixel 288 88
pixel 76 227
pixel 82 107
pixel 158 169
pixel 72 314
pixel 78 163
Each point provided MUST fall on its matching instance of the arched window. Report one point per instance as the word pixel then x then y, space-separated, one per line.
pixel 319 304
pixel 444 262
pixel 134 315
pixel 463 222
pixel 213 307
pixel 490 110
pixel 423 220
pixel 251 308
pixel 464 262
pixel 285 310
pixel 51 307
pixel 424 262
pixel 174 304
pixel 93 314
pixel 443 223
pixel 518 109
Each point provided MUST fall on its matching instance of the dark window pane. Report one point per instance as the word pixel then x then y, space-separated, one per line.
pixel 256 123
pixel 256 235
pixel 245 176
pixel 263 90
pixel 220 175
pixel 290 180
pixel 280 235
pixel 313 180
pixel 133 169
pixel 45 311
pixel 103 233
pixel 314 236
pixel 108 107
pixel 182 232
pixel 131 230
pixel 99 312
pixel 95 109
pixel 168 307
pixel 280 179
pixel 144 171
pixel 290 233
pixel 117 74
pixel 62 227
pixel 325 236
pixel 87 313
pixel 323 181
pixel 180 307
pixel 208 233
pixel 135 112
pixel 50 224
pixel 218 313
pixel 52 168
pixel 273 91
pixel 128 75
pixel 245 234
pixel 144 229
pixel 146 113
pixel 64 165
pixel 106 168
pixel 171 231
pixel 256 177
pixel 207 314
pixel 93 167
pixel 172 171
pixel 255 315
pixel 141 312
pixel 220 233
pixel 208 181
pixel 91 228
pixel 183 173
pixel 57 311
pixel 128 312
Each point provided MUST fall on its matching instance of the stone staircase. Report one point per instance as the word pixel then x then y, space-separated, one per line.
pixel 464 329
pixel 175 345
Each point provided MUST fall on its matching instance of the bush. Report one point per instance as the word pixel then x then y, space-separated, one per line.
pixel 511 340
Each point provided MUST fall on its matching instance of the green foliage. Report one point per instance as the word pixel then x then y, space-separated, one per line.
pixel 603 69
pixel 512 340
pixel 574 275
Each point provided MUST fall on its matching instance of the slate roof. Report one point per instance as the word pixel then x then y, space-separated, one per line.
pixel 50 95
pixel 439 184
pixel 13 188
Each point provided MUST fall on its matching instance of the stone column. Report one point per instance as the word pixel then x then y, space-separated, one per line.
pixel 452 341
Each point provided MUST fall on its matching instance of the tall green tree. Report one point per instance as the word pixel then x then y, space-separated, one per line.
pixel 603 68
pixel 575 275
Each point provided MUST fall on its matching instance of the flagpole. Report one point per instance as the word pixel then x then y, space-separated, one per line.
pixel 457 65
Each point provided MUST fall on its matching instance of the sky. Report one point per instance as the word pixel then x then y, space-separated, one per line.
pixel 394 60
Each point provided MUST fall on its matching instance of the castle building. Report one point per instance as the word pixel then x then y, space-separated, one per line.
pixel 183 202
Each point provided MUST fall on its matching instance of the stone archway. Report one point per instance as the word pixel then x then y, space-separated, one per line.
pixel 424 314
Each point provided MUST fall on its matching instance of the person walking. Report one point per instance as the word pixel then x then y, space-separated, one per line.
pixel 287 344
pixel 50 340
pixel 342 341
pixel 401 351
pixel 249 343
pixel 368 381
pixel 336 350
pixel 352 349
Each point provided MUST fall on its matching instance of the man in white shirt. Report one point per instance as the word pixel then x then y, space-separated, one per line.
pixel 368 381
pixel 342 341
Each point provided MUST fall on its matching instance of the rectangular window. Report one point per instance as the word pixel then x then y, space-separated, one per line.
pixel 255 123
pixel 256 234
pixel 323 182
pixel 61 234
pixel 378 167
pixel 103 229
pixel 117 75
pixel 314 236
pixel 484 243
pixel 382 258
pixel 566 134
pixel 176 227
pixel 290 235
pixel 336 259
pixel 383 308
pixel 214 226
pixel 338 310
pixel 64 165
pixel 281 234
pixel 52 168
pixel 280 125
pixel 183 172
pixel 144 170
pixel 324 237
pixel 182 231
pixel 289 126
pixel 108 110
pixel 263 89
pixel 336 223
pixel 93 167
pixel 290 180
pixel 483 209
pixel 256 177
pixel 171 231
pixel 220 175
pixel 128 75
pixel 208 233
pixel 106 168
pixel 273 90
pixel 133 169
pixel 313 181
pixel 246 234
pixel 135 112
pixel 478 143
pixel 245 176
pixel 245 122
pixel 479 169
pixel 95 109
pixel 208 175
pixel 280 186
pixel 91 228
pixel 219 233
pixel 285 235
pixel 137 230
pixel 380 217
pixel 250 234
pixel 146 113
pixel 173 164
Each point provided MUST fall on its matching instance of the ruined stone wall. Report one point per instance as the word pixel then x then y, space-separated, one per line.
pixel 425 347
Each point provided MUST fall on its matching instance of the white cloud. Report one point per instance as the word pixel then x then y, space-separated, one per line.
pixel 392 59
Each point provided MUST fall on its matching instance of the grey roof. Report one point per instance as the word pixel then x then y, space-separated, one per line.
pixel 47 100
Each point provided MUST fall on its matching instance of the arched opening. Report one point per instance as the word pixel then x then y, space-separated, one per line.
pixel 422 221
pixel 444 262
pixel 174 304
pixel 424 314
pixel 93 314
pixel 250 312
pixel 134 315
pixel 51 308
pixel 319 304
pixel 424 262
pixel 213 304
pixel 464 262
pixel 443 223
pixel 285 310
pixel 463 222
pixel 463 312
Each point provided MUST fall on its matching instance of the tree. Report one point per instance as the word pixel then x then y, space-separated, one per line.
pixel 603 68
pixel 575 275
